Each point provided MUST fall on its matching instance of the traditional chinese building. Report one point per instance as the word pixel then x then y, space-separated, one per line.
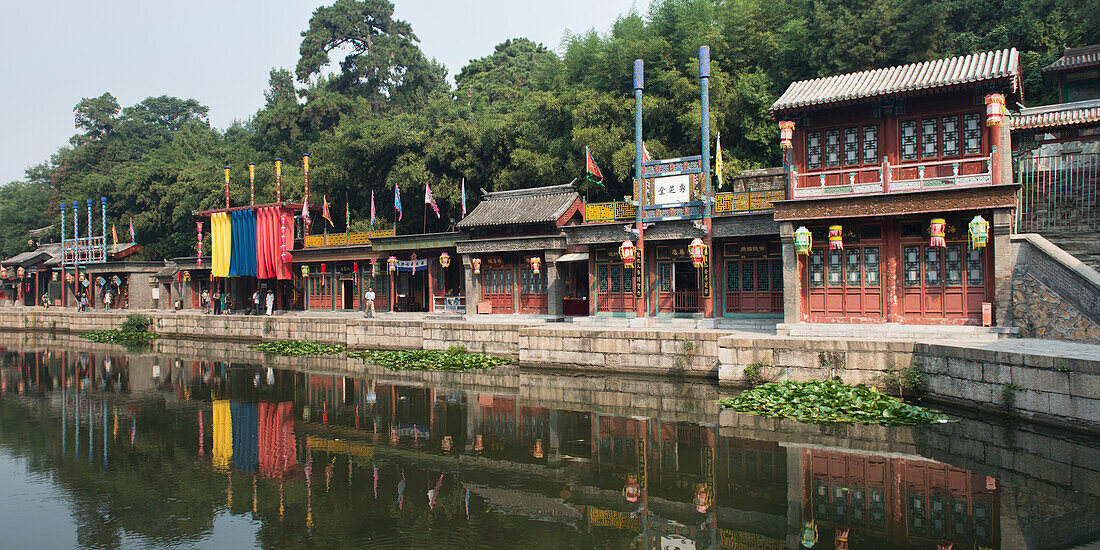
pixel 515 255
pixel 900 193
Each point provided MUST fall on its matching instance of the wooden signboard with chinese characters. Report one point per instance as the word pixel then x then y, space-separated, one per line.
pixel 671 189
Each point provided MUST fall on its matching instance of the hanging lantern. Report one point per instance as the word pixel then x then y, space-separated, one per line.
pixel 803 240
pixel 324 269
pixel 82 277
pixel 698 252
pixel 3 272
pixel 355 267
pixel 936 229
pixel 477 265
pixel 392 263
pixel 994 109
pixel 55 276
pixel 186 275
pixel 632 490
pixel 305 271
pixel 444 260
pixel 20 272
pixel 786 134
pixel 535 263
pixel 626 252
pixel 836 238
pixel 536 450
pixel 198 225
pixel 447 443
pixel 979 232
pixel 702 499
pixel 69 278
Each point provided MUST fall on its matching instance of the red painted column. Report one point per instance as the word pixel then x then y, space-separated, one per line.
pixel 429 293
pixel 708 302
pixel 392 293
pixel 995 160
pixel 891 231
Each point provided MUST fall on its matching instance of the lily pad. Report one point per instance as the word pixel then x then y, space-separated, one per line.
pixel 830 402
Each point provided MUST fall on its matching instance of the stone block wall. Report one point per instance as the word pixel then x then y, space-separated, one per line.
pixel 1054 295
pixel 492 338
pixel 678 352
pixel 384 334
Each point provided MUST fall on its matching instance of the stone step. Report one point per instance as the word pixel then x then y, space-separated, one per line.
pixel 894 331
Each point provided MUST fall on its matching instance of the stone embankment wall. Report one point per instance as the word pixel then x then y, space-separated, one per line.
pixel 1054 295
pixel 1065 391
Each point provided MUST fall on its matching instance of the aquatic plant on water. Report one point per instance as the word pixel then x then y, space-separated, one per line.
pixel 451 360
pixel 119 337
pixel 298 348
pixel 830 402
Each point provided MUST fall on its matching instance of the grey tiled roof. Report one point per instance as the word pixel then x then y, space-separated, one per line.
pixel 967 69
pixel 521 206
pixel 1078 113
pixel 1076 58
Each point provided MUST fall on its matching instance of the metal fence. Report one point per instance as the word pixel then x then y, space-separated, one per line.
pixel 1058 193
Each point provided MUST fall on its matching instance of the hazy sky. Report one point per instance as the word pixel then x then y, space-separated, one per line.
pixel 52 53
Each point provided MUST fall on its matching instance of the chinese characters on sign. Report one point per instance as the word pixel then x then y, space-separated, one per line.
pixel 672 189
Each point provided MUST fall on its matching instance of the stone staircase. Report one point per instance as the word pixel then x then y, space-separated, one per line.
pixel 1083 245
pixel 894 331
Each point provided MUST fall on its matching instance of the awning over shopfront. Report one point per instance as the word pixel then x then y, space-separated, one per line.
pixel 574 257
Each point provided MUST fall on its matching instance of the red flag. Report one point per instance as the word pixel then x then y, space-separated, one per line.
pixel 645 154
pixel 594 173
pixel 324 211
pixel 429 199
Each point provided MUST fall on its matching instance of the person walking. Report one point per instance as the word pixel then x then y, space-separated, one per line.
pixel 217 302
pixel 256 302
pixel 205 301
pixel 368 302
pixel 107 300
pixel 270 302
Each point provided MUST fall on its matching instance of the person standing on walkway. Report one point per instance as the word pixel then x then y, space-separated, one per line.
pixel 270 302
pixel 368 302
pixel 256 302
pixel 225 303
pixel 46 300
pixel 205 299
pixel 217 302
pixel 107 300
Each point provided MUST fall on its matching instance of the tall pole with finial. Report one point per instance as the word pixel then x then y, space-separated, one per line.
pixel 305 168
pixel 227 186
pixel 252 184
pixel 279 181
pixel 103 211
pixel 704 78
pixel 639 192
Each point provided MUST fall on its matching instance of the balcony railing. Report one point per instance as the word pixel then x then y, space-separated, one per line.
pixel 891 178
pixel 345 239
pixel 736 202
pixel 609 212
pixel 741 202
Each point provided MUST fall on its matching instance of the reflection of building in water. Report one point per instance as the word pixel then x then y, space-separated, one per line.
pixel 278 448
pixel 222 453
pixel 888 502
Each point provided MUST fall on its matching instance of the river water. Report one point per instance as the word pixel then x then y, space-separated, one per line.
pixel 211 445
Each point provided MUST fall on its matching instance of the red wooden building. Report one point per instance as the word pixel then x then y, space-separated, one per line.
pixel 888 172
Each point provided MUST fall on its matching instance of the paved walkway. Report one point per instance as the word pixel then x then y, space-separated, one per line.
pixel 1034 346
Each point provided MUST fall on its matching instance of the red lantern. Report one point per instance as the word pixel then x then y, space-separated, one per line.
pixel 535 263
pixel 324 267
pixel 20 272
pixel 786 134
pixel 392 263
pixel 477 265
pixel 626 252
pixel 836 239
pixel 444 260
pixel 632 490
pixel 702 499
pixel 698 252
pixel 936 228
pixel 3 272
pixel 994 109
pixel 355 267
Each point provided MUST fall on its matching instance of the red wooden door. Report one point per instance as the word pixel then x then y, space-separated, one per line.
pixel 498 288
pixel 614 288
pixel 754 286
pixel 942 283
pixel 532 291
pixel 845 285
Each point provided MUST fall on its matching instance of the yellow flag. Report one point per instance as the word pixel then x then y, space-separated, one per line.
pixel 718 160
pixel 114 235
